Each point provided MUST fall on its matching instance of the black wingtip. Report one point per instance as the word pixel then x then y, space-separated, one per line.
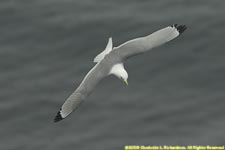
pixel 180 28
pixel 174 25
pixel 58 117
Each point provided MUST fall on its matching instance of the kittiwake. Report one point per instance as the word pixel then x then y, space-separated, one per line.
pixel 111 61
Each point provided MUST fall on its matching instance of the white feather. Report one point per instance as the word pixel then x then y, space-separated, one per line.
pixel 107 50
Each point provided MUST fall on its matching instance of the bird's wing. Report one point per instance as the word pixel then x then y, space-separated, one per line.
pixel 143 44
pixel 85 88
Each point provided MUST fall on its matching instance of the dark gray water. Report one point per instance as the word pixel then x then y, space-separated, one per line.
pixel 175 94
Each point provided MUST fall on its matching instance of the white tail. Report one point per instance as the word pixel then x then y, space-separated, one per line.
pixel 107 50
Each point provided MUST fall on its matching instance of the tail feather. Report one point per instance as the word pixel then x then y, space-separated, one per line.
pixel 107 50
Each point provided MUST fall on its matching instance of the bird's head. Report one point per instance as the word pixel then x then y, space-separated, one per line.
pixel 123 75
pixel 119 71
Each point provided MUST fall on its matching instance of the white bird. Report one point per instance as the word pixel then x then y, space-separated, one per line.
pixel 111 61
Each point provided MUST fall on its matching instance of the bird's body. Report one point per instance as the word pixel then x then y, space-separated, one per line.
pixel 111 60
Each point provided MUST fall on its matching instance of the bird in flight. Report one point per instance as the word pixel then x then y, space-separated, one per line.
pixel 111 61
